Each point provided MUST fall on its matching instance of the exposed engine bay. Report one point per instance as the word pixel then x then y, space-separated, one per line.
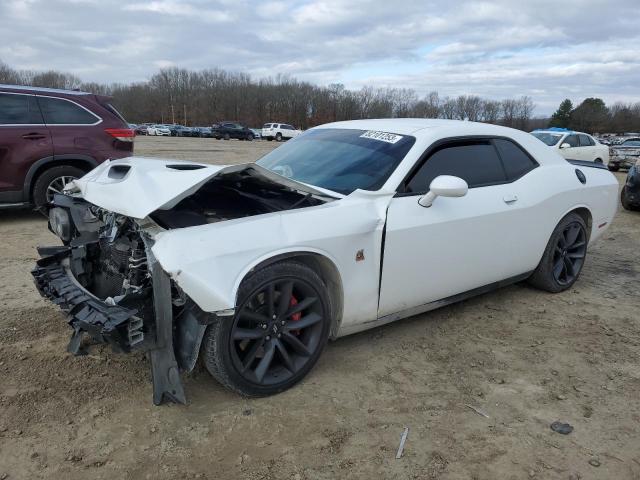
pixel 234 195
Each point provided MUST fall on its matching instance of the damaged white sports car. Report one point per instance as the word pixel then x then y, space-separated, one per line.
pixel 348 226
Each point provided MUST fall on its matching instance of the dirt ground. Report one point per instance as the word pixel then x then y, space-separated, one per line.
pixel 523 357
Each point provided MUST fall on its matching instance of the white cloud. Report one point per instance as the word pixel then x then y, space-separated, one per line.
pixel 499 48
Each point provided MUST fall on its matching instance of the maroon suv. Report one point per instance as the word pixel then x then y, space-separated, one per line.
pixel 49 137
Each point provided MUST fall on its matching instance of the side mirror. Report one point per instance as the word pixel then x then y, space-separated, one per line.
pixel 444 186
pixel 565 145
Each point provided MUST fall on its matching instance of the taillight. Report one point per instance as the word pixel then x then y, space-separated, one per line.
pixel 122 134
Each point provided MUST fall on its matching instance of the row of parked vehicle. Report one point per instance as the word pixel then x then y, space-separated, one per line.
pixel 173 130
pixel 221 131
pixel 574 145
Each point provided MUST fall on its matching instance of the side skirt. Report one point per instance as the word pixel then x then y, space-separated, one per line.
pixel 427 307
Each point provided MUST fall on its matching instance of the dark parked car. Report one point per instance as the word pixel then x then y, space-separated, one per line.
pixel 203 132
pixel 141 129
pixel 630 195
pixel 227 130
pixel 187 132
pixel 174 129
pixel 49 137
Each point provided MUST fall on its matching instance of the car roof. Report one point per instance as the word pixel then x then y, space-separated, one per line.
pixel 22 88
pixel 558 130
pixel 424 126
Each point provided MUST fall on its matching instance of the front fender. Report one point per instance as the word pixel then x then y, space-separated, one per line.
pixel 209 262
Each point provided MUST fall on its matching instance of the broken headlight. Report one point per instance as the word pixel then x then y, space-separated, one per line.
pixel 60 223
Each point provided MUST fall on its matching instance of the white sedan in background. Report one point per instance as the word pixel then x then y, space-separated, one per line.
pixel 349 226
pixel 158 130
pixel 279 131
pixel 574 145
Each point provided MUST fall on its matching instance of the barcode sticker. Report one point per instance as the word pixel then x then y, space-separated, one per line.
pixel 382 136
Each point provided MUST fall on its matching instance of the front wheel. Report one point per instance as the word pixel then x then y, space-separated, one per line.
pixel 279 330
pixel 53 181
pixel 564 256
pixel 278 137
pixel 227 136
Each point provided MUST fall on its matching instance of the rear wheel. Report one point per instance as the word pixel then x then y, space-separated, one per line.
pixel 564 256
pixel 53 181
pixel 598 160
pixel 626 204
pixel 250 137
pixel 277 335
pixel 227 136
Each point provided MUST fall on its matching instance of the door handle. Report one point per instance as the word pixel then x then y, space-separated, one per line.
pixel 33 136
pixel 509 199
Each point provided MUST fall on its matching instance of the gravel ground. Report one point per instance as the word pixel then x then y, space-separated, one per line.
pixel 522 357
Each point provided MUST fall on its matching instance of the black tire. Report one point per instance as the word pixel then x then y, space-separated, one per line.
pixel 278 137
pixel 227 136
pixel 626 204
pixel 564 256
pixel 250 137
pixel 598 160
pixel 614 168
pixel 230 352
pixel 270 139
pixel 46 179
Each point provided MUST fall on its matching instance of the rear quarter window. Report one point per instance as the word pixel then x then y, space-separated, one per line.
pixel 57 111
pixel 515 160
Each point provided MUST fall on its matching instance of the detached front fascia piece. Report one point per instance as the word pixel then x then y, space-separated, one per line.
pixel 255 266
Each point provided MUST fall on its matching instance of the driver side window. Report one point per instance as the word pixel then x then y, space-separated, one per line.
pixel 572 140
pixel 474 161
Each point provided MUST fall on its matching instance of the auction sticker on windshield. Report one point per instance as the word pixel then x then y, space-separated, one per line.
pixel 382 136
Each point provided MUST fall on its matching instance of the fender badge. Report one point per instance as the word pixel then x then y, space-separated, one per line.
pixel 359 255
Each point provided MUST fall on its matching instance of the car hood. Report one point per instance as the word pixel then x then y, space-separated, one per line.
pixel 137 186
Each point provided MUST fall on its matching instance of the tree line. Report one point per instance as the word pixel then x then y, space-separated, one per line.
pixel 593 116
pixel 176 95
pixel 204 97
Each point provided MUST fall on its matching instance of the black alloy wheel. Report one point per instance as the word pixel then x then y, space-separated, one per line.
pixel 564 256
pixel 569 253
pixel 277 335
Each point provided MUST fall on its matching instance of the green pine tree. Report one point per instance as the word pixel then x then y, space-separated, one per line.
pixel 562 116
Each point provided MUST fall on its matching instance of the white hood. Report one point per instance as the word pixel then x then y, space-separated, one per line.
pixel 137 186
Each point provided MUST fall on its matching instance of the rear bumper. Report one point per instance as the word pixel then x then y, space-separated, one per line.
pixel 115 325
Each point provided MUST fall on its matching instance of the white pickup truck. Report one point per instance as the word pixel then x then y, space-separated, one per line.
pixel 279 131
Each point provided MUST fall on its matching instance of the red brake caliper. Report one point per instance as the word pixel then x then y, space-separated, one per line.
pixel 296 316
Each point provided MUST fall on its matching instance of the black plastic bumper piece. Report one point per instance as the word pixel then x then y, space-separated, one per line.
pixel 113 324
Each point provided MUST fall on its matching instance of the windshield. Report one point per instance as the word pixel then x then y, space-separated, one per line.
pixel 549 138
pixel 631 143
pixel 341 160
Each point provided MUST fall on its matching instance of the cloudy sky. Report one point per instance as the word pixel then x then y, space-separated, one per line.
pixel 549 50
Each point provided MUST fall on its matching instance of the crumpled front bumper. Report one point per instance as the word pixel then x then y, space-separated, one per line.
pixel 113 324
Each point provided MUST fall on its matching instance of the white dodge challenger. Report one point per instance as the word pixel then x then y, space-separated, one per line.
pixel 349 226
